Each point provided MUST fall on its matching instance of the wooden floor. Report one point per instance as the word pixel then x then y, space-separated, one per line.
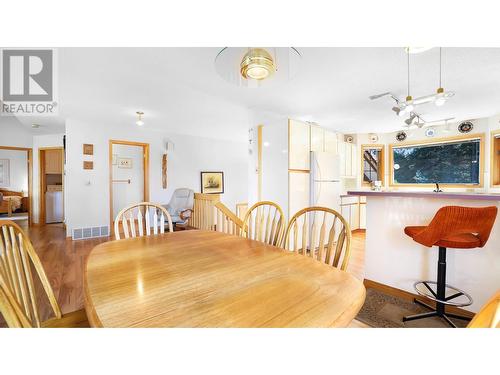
pixel 64 260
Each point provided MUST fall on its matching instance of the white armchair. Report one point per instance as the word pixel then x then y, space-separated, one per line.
pixel 180 206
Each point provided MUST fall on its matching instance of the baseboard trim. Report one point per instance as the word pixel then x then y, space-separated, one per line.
pixel 395 292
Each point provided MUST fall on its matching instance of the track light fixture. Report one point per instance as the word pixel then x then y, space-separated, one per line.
pixel 409 120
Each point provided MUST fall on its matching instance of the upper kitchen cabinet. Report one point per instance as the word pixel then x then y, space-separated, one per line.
pixel 323 140
pixel 299 145
pixel 331 142
pixel 317 138
pixel 348 159
pixel 53 161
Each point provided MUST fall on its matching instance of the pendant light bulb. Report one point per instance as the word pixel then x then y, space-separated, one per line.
pixel 440 98
pixel 409 104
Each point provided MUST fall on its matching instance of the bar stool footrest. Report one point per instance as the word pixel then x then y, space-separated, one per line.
pixel 427 291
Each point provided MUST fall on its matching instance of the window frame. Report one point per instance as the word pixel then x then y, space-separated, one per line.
pixel 436 141
pixel 494 162
pixel 370 146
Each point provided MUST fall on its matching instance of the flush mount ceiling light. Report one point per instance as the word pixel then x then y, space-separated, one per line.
pixel 257 66
pixel 35 126
pixel 139 121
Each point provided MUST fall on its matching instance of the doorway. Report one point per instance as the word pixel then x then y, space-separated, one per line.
pixel 16 189
pixel 51 160
pixel 128 175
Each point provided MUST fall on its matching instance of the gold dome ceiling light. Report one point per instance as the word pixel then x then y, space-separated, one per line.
pixel 257 64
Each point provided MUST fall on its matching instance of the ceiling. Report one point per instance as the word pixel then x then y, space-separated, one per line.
pixel 180 91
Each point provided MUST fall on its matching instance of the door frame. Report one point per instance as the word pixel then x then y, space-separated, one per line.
pixel 30 177
pixel 41 178
pixel 145 158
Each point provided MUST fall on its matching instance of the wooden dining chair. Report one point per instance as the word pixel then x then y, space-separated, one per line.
pixel 265 222
pixel 320 233
pixel 18 295
pixel 136 220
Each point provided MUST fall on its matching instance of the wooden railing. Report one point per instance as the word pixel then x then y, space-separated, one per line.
pixel 241 210
pixel 209 213
pixel 203 211
pixel 226 221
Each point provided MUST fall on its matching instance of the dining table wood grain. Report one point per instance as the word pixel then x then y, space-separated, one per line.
pixel 196 278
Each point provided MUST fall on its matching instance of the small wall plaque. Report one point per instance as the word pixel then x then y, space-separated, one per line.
pixel 88 149
pixel 88 165
pixel 125 163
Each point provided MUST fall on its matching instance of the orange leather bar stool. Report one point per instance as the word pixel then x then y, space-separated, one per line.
pixel 452 227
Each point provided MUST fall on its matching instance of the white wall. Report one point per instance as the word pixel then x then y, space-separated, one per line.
pixel 87 191
pixel 41 141
pixel 13 133
pixel 18 167
pixel 274 159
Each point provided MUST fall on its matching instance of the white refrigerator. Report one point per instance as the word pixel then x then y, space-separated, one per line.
pixel 325 180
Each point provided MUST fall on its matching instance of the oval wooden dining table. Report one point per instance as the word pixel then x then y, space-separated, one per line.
pixel 197 278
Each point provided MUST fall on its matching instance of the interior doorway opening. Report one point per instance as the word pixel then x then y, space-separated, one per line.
pixel 51 161
pixel 16 189
pixel 128 175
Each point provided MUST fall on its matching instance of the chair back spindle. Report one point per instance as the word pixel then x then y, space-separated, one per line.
pixel 265 222
pixel 18 302
pixel 320 233
pixel 137 220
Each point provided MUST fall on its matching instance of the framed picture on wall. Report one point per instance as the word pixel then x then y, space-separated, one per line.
pixel 4 173
pixel 212 182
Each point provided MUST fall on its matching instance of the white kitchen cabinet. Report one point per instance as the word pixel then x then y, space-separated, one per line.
pixel 345 211
pixel 299 145
pixel 354 223
pixel 341 150
pixel 351 211
pixel 317 138
pixel 348 159
pixel 298 190
pixel 331 142
pixel 354 160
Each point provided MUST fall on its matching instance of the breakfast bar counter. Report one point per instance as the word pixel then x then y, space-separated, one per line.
pixel 428 194
pixel 394 259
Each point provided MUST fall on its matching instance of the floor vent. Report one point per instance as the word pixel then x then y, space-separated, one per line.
pixel 91 232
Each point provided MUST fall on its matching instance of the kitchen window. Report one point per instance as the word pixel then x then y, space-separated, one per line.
pixel 453 161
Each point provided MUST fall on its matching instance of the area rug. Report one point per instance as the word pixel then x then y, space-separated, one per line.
pixel 384 311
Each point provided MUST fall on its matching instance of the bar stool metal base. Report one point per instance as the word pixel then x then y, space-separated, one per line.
pixel 432 313
pixel 439 295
